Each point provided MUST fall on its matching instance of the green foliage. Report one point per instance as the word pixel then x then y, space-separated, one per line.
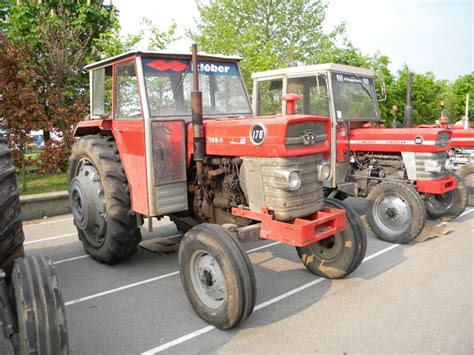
pixel 268 34
pixel 457 99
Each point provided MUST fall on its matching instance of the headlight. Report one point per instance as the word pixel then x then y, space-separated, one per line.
pixel 449 165
pixel 294 180
pixel 433 166
pixel 324 171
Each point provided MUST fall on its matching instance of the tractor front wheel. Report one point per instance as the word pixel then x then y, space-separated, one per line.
pixel 395 212
pixel 100 200
pixel 340 254
pixel 466 172
pixel 447 206
pixel 217 276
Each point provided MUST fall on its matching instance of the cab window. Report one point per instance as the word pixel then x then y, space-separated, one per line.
pixel 127 100
pixel 269 97
pixel 313 94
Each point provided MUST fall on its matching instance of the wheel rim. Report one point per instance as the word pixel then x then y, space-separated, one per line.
pixel 392 214
pixel 328 249
pixel 208 279
pixel 86 196
pixel 441 203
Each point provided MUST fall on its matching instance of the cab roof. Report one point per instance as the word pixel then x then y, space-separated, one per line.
pixel 310 69
pixel 184 55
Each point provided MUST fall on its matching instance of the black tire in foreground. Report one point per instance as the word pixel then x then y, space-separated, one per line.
pixel 217 276
pixel 337 256
pixel 395 212
pixel 40 307
pixel 466 172
pixel 100 200
pixel 11 232
pixel 447 206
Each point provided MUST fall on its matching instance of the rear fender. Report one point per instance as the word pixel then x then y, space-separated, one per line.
pixel 93 127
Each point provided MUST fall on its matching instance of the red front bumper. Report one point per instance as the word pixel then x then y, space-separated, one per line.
pixel 436 187
pixel 301 231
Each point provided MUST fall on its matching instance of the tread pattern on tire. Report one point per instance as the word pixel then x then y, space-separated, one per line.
pixel 11 231
pixel 122 233
pixel 40 307
pixel 418 223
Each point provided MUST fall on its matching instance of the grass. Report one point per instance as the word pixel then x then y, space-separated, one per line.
pixel 37 184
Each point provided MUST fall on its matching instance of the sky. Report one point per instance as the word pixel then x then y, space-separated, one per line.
pixel 427 35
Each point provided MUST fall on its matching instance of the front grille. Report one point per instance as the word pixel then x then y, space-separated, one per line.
pixel 304 134
pixel 422 174
pixel 263 186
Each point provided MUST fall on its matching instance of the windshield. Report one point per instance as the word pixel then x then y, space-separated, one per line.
pixel 169 86
pixel 354 97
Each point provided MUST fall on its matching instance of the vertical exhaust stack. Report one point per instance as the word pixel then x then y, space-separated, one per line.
pixel 466 115
pixel 196 110
pixel 408 122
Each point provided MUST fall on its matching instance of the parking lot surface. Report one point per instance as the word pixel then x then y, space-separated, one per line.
pixel 403 298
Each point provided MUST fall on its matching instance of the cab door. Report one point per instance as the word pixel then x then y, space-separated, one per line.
pixel 128 126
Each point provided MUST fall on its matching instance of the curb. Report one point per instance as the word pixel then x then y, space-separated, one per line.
pixel 44 205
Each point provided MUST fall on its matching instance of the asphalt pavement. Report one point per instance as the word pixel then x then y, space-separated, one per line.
pixel 415 298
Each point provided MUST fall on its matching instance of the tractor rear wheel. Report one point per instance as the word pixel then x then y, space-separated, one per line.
pixel 339 255
pixel 447 206
pixel 40 307
pixel 11 231
pixel 100 200
pixel 466 172
pixel 217 276
pixel 395 212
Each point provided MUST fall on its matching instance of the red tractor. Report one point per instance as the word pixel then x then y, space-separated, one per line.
pixel 147 151
pixel 404 174
pixel 462 152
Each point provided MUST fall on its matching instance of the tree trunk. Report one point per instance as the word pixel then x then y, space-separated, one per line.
pixel 23 168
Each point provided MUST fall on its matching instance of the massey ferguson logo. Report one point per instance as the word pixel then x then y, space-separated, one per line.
pixel 309 137
pixel 418 140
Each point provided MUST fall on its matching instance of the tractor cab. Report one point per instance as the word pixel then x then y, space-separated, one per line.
pixel 144 98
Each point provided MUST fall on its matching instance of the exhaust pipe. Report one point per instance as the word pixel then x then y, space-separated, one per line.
pixel 408 122
pixel 196 111
pixel 466 116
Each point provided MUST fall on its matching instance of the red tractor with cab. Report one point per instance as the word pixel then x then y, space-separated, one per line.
pixel 404 173
pixel 174 135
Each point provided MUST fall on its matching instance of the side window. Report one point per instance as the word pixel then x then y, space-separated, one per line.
pixel 312 101
pixel 127 100
pixel 269 97
pixel 101 93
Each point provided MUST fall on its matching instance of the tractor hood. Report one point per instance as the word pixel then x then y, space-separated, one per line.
pixel 462 137
pixel 269 136
pixel 400 139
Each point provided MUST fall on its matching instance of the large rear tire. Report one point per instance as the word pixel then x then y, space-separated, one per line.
pixel 466 172
pixel 11 231
pixel 395 212
pixel 447 206
pixel 41 315
pixel 217 276
pixel 337 256
pixel 100 200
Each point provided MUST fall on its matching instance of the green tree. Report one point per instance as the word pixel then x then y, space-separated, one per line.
pixel 427 92
pixel 457 97
pixel 268 34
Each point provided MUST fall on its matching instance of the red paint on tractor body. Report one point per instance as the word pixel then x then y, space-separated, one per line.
pixel 301 231
pixel 436 187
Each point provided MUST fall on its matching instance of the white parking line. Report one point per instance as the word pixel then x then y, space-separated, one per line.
pixel 47 222
pixel 100 294
pixel 50 238
pixel 207 329
pixel 71 259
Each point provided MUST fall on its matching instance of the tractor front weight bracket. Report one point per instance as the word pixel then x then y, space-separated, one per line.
pixel 436 187
pixel 301 231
